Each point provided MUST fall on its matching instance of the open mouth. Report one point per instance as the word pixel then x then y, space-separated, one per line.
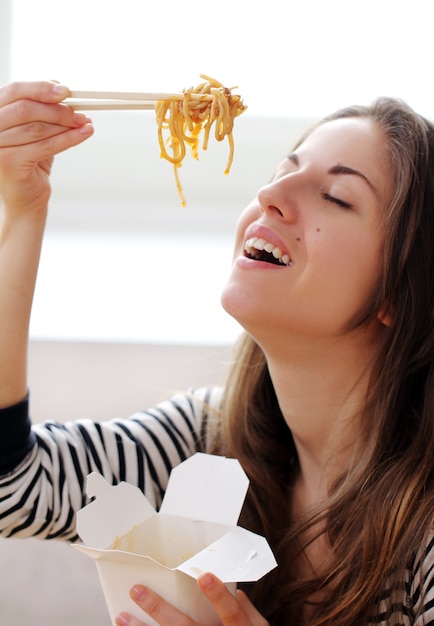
pixel 262 250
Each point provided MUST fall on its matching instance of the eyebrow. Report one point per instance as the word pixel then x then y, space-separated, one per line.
pixel 337 170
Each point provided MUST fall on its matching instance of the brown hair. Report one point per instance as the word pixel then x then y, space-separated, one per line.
pixel 379 514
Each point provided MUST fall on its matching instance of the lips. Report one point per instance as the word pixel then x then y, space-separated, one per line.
pixel 260 249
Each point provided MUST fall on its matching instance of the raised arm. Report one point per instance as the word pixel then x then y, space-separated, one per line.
pixel 34 126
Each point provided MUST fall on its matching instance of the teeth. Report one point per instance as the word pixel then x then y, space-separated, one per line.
pixel 277 253
pixel 257 243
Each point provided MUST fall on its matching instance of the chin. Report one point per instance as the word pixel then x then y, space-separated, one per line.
pixel 236 302
pixel 228 299
pixel 242 307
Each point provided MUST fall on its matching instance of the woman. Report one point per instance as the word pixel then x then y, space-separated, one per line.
pixel 329 406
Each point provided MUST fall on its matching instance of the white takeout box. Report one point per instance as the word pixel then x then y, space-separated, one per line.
pixel 195 531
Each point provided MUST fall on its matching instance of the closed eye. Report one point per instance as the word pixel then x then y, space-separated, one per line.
pixel 338 201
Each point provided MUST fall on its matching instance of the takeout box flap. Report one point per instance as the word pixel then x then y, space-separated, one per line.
pixel 114 511
pixel 206 487
pixel 239 556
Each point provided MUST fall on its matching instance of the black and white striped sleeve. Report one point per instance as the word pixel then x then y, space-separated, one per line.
pixel 422 590
pixel 41 496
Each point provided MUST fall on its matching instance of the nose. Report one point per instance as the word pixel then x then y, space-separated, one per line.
pixel 280 198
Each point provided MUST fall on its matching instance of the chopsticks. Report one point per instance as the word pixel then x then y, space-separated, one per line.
pixel 120 100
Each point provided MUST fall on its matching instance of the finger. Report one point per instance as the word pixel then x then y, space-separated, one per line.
pixel 42 91
pixel 33 132
pixel 161 611
pixel 226 605
pixel 232 610
pixel 22 112
pixel 125 619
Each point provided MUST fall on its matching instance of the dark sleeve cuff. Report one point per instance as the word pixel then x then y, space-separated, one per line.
pixel 16 437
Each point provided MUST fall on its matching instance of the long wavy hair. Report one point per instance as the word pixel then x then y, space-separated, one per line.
pixel 379 514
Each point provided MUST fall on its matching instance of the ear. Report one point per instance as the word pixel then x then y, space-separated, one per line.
pixel 384 316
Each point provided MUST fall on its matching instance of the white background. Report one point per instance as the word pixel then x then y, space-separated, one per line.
pixel 289 57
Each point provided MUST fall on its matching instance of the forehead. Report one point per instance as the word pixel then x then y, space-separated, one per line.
pixel 358 135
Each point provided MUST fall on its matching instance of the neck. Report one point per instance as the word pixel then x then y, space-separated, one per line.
pixel 321 386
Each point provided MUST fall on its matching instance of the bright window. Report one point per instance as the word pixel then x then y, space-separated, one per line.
pixel 295 58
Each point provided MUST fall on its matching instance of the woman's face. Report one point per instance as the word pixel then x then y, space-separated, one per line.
pixel 308 250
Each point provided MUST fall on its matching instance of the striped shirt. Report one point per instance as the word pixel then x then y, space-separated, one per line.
pixel 44 471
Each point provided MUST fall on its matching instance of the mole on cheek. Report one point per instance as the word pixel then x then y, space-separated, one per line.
pixel 318 229
pixel 297 239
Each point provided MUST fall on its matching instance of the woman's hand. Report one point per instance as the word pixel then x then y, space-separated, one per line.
pixel 34 126
pixel 232 610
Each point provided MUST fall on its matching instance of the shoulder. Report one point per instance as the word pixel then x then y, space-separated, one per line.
pixel 197 410
pixel 195 404
pixel 192 415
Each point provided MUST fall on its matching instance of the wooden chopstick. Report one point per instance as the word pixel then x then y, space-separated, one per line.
pixel 120 100
pixel 124 95
pixel 109 105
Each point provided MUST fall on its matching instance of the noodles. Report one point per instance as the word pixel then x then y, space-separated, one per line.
pixel 196 110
